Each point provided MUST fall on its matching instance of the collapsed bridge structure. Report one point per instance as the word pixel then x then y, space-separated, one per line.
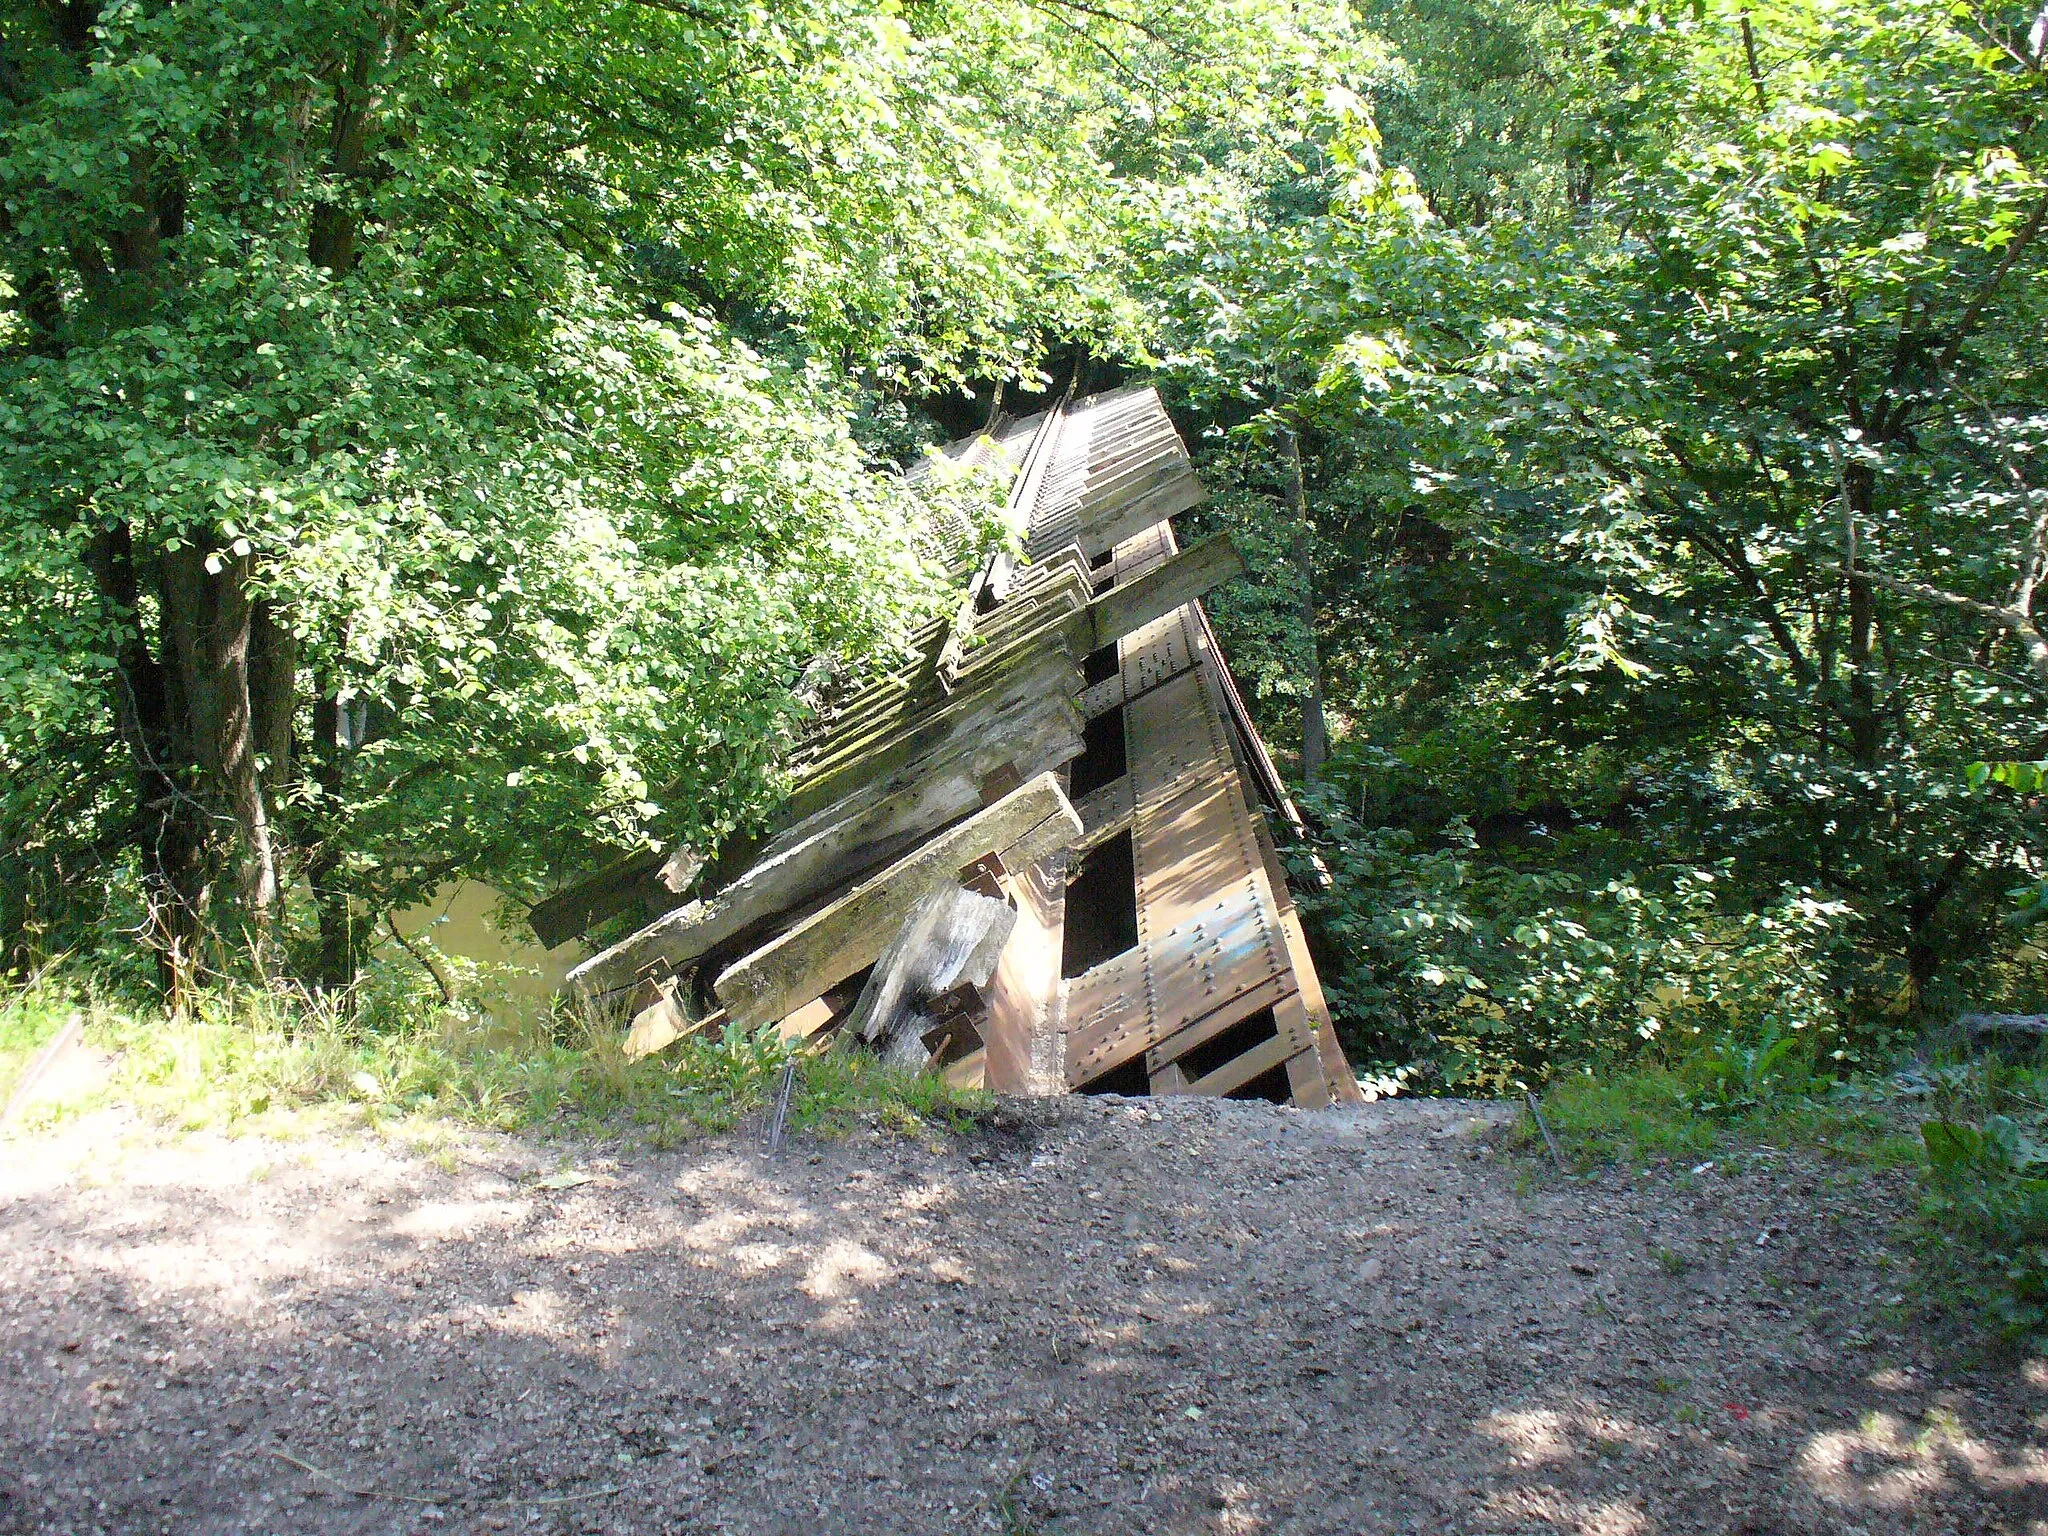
pixel 1037 859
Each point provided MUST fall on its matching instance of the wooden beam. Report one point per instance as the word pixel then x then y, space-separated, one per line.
pixel 1111 526
pixel 645 876
pixel 1026 825
pixel 1171 584
pixel 1033 735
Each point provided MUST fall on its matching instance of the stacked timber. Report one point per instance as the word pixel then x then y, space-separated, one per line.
pixel 1039 857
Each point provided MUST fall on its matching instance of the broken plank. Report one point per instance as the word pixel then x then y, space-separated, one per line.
pixel 951 939
pixel 1026 825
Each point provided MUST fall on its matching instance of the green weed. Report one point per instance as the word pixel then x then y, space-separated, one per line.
pixel 241 1056
pixel 25 1027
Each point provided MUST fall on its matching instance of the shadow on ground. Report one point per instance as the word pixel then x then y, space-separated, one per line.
pixel 1102 1317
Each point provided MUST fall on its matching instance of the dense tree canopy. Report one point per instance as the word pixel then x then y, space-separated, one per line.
pixel 436 439
pixel 1674 428
pixel 424 428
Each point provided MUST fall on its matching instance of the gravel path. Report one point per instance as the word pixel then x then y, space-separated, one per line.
pixel 1096 1316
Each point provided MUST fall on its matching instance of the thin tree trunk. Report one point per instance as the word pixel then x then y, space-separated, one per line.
pixel 1865 727
pixel 1315 739
pixel 341 943
pixel 273 693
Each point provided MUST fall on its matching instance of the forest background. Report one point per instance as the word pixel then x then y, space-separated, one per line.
pixel 459 439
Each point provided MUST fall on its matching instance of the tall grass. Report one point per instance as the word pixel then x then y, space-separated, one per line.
pixel 383 1052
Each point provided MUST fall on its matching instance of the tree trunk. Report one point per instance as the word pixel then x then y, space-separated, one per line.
pixel 341 941
pixel 170 829
pixel 273 693
pixel 208 617
pixel 1315 739
pixel 1865 726
pixel 1923 939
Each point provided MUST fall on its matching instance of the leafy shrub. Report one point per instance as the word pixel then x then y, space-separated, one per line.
pixel 1988 1202
pixel 1499 973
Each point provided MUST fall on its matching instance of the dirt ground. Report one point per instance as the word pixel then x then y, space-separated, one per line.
pixel 1096 1316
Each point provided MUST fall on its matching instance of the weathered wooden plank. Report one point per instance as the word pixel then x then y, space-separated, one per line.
pixel 1125 520
pixel 1132 478
pixel 1186 576
pixel 1026 825
pixel 1021 738
pixel 612 890
pixel 952 938
pixel 645 876
pixel 1038 734
pixel 662 1023
pixel 1039 673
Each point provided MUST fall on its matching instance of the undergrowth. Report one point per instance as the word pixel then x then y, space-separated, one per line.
pixel 1974 1127
pixel 241 1057
pixel 1720 1099
pixel 24 1029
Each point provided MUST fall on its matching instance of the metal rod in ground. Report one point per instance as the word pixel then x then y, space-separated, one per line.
pixel 778 1121
pixel 1550 1141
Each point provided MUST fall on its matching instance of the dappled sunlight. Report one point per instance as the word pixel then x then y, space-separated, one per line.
pixel 1888 1462
pixel 857 1330
pixel 1239 1514
pixel 1543 1436
pixel 442 1220
pixel 544 1313
pixel 1585 1517
pixel 842 1268
pixel 949 1270
pixel 929 1196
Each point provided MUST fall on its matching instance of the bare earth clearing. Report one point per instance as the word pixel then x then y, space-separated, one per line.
pixel 1101 1316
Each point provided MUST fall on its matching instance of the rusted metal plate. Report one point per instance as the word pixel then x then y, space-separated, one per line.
pixel 1105 813
pixel 1236 1073
pixel 1213 969
pixel 1290 1022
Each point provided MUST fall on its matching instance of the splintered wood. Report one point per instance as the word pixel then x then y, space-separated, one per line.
pixel 928 891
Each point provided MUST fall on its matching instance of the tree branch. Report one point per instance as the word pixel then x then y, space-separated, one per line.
pixel 2011 619
pixel 1975 308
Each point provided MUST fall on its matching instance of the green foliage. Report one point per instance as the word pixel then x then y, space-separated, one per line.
pixel 1673 426
pixel 1499 971
pixel 30 1022
pixel 426 430
pixel 1987 1198
pixel 1724 1100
